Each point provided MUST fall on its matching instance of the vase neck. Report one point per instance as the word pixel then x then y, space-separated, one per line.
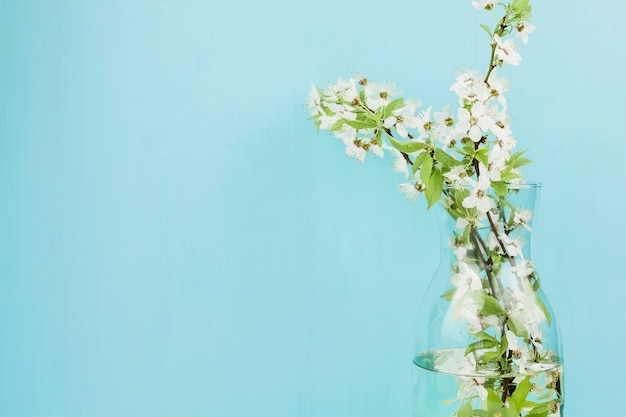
pixel 505 231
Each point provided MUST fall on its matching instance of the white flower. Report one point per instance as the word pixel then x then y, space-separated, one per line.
pixel 513 246
pixel 458 177
pixel 474 123
pixel 377 150
pixel 478 197
pixel 411 192
pixel 523 306
pixel 492 171
pixel 465 280
pixel 506 51
pixel 403 118
pixel 461 223
pixel 399 163
pixel 423 121
pixel 314 102
pixel 470 85
pixel 523 30
pixel 444 132
pixel 354 149
pixel 524 269
pixel 345 89
pixel 498 86
pixel 377 95
pixel 460 252
pixel 523 217
pixel 464 307
pixel 483 4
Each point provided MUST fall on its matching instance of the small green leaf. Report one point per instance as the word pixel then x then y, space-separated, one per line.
pixel 417 163
pixel 481 156
pixel 394 105
pixel 427 167
pixel 489 306
pixel 338 125
pixel 508 176
pixel 465 410
pixel 445 159
pixel 481 344
pixel 540 410
pixel 494 403
pixel 517 327
pixel 499 188
pixel 406 147
pixel 517 399
pixel 362 124
pixel 543 308
pixel 487 29
pixel 379 139
pixel 449 295
pixel 434 187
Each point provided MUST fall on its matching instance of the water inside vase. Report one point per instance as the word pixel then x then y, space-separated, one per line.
pixel 446 383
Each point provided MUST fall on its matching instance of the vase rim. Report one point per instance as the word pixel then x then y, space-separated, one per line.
pixel 523 186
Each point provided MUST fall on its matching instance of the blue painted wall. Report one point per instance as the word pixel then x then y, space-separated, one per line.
pixel 177 241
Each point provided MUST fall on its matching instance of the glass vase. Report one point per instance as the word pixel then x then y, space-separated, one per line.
pixel 486 338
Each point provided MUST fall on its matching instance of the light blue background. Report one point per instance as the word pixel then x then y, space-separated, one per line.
pixel 175 240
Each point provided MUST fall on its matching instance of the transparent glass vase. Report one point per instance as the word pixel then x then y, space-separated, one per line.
pixel 487 343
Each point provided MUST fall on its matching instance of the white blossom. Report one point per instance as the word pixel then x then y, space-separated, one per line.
pixel 444 130
pixel 523 217
pixel 465 280
pixel 377 95
pixel 474 123
pixel 506 52
pixel 354 150
pixel 345 90
pixel 478 196
pixel 470 85
pixel 403 118
pixel 423 122
pixel 411 192
pixel 523 30
pixel 314 102
pixel 497 87
pixel 483 4
pixel 399 163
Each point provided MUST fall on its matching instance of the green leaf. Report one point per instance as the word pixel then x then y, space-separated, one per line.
pixel 487 29
pixel 362 124
pixel 427 167
pixel 540 410
pixel 517 327
pixel 499 188
pixel 394 105
pixel 517 161
pixel 481 344
pixel 379 139
pixel 417 163
pixel 490 356
pixel 338 125
pixel 481 155
pixel 445 159
pixel 406 147
pixel 508 176
pixel 465 410
pixel 494 403
pixel 448 295
pixel 434 187
pixel 543 308
pixel 517 399
pixel 489 306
